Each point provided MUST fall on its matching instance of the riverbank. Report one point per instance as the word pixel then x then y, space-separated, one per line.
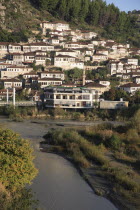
pixel 58 185
pixel 98 154
pixel 20 114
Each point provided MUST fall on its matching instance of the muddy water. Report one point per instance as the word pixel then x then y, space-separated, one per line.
pixel 58 185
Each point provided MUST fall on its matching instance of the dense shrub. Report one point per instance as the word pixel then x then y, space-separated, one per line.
pixel 114 142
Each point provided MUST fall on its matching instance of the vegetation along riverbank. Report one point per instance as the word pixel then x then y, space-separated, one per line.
pixel 16 171
pixel 21 113
pixel 107 156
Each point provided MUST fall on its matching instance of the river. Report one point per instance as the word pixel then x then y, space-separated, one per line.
pixel 58 185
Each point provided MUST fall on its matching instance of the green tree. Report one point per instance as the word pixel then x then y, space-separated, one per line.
pixel 114 94
pixel 74 74
pixel 84 9
pixel 62 8
pixel 16 161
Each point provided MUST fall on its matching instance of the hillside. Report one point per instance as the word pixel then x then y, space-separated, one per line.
pixel 19 15
pixel 18 19
pixel 24 16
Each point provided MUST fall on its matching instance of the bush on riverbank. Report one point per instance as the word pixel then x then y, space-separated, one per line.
pixel 76 146
pixel 92 114
pixel 115 150
pixel 80 115
pixel 16 170
pixel 18 113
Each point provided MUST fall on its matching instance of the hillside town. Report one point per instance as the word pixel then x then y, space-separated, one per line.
pixel 39 68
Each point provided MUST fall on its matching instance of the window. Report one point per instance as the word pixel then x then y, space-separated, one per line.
pixel 86 97
pixel 64 97
pixel 58 97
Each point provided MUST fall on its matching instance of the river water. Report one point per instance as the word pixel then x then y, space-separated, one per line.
pixel 58 185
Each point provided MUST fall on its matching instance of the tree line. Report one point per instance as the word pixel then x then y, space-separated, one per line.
pixel 116 24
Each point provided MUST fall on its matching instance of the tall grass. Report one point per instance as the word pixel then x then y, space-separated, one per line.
pixel 67 138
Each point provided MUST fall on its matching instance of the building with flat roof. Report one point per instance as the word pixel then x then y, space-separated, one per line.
pixel 113 104
pixel 72 97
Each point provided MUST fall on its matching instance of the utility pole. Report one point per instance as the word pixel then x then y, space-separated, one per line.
pixel 14 97
pixel 7 96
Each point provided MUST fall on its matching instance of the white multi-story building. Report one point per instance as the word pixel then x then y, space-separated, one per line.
pixel 115 67
pixel 14 71
pixel 57 25
pixel 63 97
pixel 67 62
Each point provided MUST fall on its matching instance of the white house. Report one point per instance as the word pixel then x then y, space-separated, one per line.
pixel 105 83
pixel 98 42
pixel 102 51
pixel 67 62
pixel 30 75
pixel 14 48
pixel 3 48
pixel 133 61
pixel 74 45
pixel 130 87
pixel 115 67
pixel 29 57
pixel 113 104
pixel 122 51
pixel 99 57
pixel 3 66
pixel 53 41
pixel 68 52
pixel 88 34
pixel 14 71
pixel 57 25
pixel 37 46
pixel 12 83
pixel 137 80
pixel 44 82
pixel 52 74
pixel 40 60
pixel 17 58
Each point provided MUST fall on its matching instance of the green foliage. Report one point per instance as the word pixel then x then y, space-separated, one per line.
pixel 37 67
pixel 16 161
pixel 114 142
pixel 74 74
pixel 117 25
pixel 6 36
pixel 76 146
pixel 22 199
pixel 115 94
